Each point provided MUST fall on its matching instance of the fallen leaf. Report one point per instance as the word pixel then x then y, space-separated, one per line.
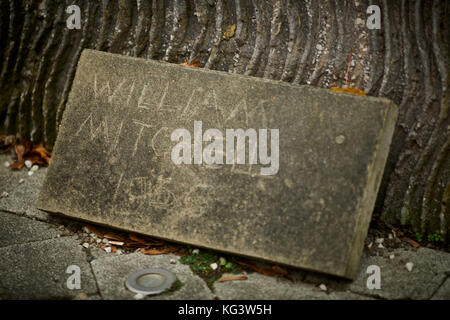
pixel 232 278
pixel 94 231
pixel 229 33
pixel 42 153
pixel 410 241
pixel 194 63
pixel 135 238
pixel 116 243
pixel 268 272
pixel 279 270
pixel 158 251
pixel 113 236
pixel 349 90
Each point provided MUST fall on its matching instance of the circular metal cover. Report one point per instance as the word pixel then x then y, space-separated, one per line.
pixel 150 281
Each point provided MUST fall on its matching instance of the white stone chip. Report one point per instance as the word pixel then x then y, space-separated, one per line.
pixel 409 266
pixel 214 266
pixel 108 249
pixel 6 164
pixel 138 296
pixel 30 173
pixel 28 164
pixel 392 256
pixel 379 240
pixel 196 251
pixel 34 168
pixel 323 287
pixel 86 245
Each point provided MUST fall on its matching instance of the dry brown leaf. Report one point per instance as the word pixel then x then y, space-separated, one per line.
pixel 94 231
pixel 267 272
pixel 232 278
pixel 113 236
pixel 194 63
pixel 229 32
pixel 158 251
pixel 135 238
pixel 349 90
pixel 279 270
pixel 410 241
pixel 116 243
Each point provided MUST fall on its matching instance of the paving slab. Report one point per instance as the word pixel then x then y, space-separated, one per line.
pixel 443 292
pixel 430 268
pixel 16 230
pixel 38 270
pixel 22 190
pixel 234 163
pixel 260 287
pixel 111 273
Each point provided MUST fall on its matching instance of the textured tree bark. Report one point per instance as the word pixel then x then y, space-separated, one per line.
pixel 302 42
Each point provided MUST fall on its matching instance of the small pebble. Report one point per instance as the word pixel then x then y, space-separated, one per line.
pixel 379 240
pixel 391 256
pixel 323 287
pixel 390 236
pixel 98 240
pixel 380 245
pixel 34 168
pixel 4 194
pixel 173 261
pixel 86 245
pixel 370 245
pixel 105 241
pixel 30 173
pixel 139 296
pixel 409 266
pixel 214 266
pixel 28 164
pixel 195 251
pixel 21 181
pixel 108 249
pixel 7 164
pixel 340 139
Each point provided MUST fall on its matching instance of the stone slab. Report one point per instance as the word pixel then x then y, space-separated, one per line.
pixel 111 273
pixel 430 269
pixel 17 230
pixel 112 163
pixel 443 292
pixel 22 190
pixel 260 287
pixel 38 270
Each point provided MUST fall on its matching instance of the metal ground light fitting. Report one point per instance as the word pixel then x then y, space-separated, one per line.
pixel 150 281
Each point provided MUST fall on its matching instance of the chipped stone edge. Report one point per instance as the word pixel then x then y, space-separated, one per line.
pixel 366 204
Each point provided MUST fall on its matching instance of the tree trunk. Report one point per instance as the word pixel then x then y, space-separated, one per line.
pixel 302 42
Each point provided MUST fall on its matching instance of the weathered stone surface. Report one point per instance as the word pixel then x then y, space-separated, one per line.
pixel 16 230
pixel 259 287
pixel 430 268
pixel 111 273
pixel 22 190
pixel 38 270
pixel 443 292
pixel 112 161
